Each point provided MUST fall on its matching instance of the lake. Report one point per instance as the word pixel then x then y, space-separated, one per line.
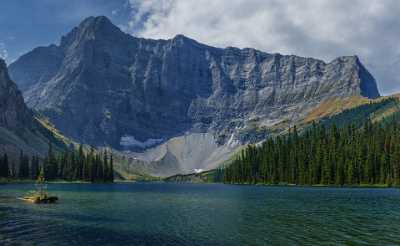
pixel 200 214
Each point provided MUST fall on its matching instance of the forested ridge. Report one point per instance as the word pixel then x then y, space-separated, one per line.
pixel 70 165
pixel 323 154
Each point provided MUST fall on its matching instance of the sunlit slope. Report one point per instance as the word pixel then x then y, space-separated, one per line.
pixel 360 111
pixel 334 106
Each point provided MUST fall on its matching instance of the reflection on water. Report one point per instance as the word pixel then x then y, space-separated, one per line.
pixel 188 214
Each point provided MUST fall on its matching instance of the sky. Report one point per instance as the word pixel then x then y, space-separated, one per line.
pixel 321 29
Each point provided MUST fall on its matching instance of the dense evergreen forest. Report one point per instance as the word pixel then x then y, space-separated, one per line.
pixel 70 165
pixel 323 154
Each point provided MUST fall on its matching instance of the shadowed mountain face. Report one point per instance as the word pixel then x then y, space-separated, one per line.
pixel 14 114
pixel 19 130
pixel 104 87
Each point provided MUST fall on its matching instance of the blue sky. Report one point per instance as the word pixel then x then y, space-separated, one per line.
pixel 25 24
pixel 322 29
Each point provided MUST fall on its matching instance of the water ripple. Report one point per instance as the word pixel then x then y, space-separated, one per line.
pixel 170 214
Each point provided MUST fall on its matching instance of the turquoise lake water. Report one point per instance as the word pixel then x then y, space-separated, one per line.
pixel 191 214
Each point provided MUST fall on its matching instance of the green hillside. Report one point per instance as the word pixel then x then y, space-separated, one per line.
pixel 358 146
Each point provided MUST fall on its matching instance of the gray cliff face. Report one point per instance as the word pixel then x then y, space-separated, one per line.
pixel 106 88
pixel 14 114
pixel 19 130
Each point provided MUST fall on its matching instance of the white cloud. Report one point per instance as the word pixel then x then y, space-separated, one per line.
pixel 150 12
pixel 317 28
pixel 3 51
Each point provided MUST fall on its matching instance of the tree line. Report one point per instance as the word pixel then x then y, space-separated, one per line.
pixel 70 165
pixel 323 155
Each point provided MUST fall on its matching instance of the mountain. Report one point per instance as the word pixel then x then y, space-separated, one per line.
pixel 20 130
pixel 165 101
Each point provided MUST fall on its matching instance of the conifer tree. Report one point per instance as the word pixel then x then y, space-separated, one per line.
pixel 347 155
pixel 111 169
pixel 34 168
pixel 23 166
pixel 4 168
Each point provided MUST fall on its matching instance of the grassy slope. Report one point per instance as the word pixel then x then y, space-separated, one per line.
pixel 376 110
pixel 334 106
pixel 32 141
pixel 203 177
pixel 54 133
pixel 124 171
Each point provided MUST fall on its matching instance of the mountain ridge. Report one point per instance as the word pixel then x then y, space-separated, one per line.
pixel 103 87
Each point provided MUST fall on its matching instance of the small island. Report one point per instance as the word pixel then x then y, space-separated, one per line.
pixel 40 195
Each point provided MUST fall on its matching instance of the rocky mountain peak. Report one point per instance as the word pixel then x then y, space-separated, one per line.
pixel 368 84
pixel 182 38
pixel 92 28
pixel 98 25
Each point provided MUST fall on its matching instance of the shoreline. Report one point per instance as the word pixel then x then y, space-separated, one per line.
pixel 380 186
pixel 32 181
pixel 377 186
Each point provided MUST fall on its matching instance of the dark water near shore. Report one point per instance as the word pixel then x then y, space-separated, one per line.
pixel 189 214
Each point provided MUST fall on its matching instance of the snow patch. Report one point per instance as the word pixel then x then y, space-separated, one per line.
pixel 131 141
pixel 198 170
pixel 232 142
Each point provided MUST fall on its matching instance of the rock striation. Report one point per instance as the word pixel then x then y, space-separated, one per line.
pixel 104 87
